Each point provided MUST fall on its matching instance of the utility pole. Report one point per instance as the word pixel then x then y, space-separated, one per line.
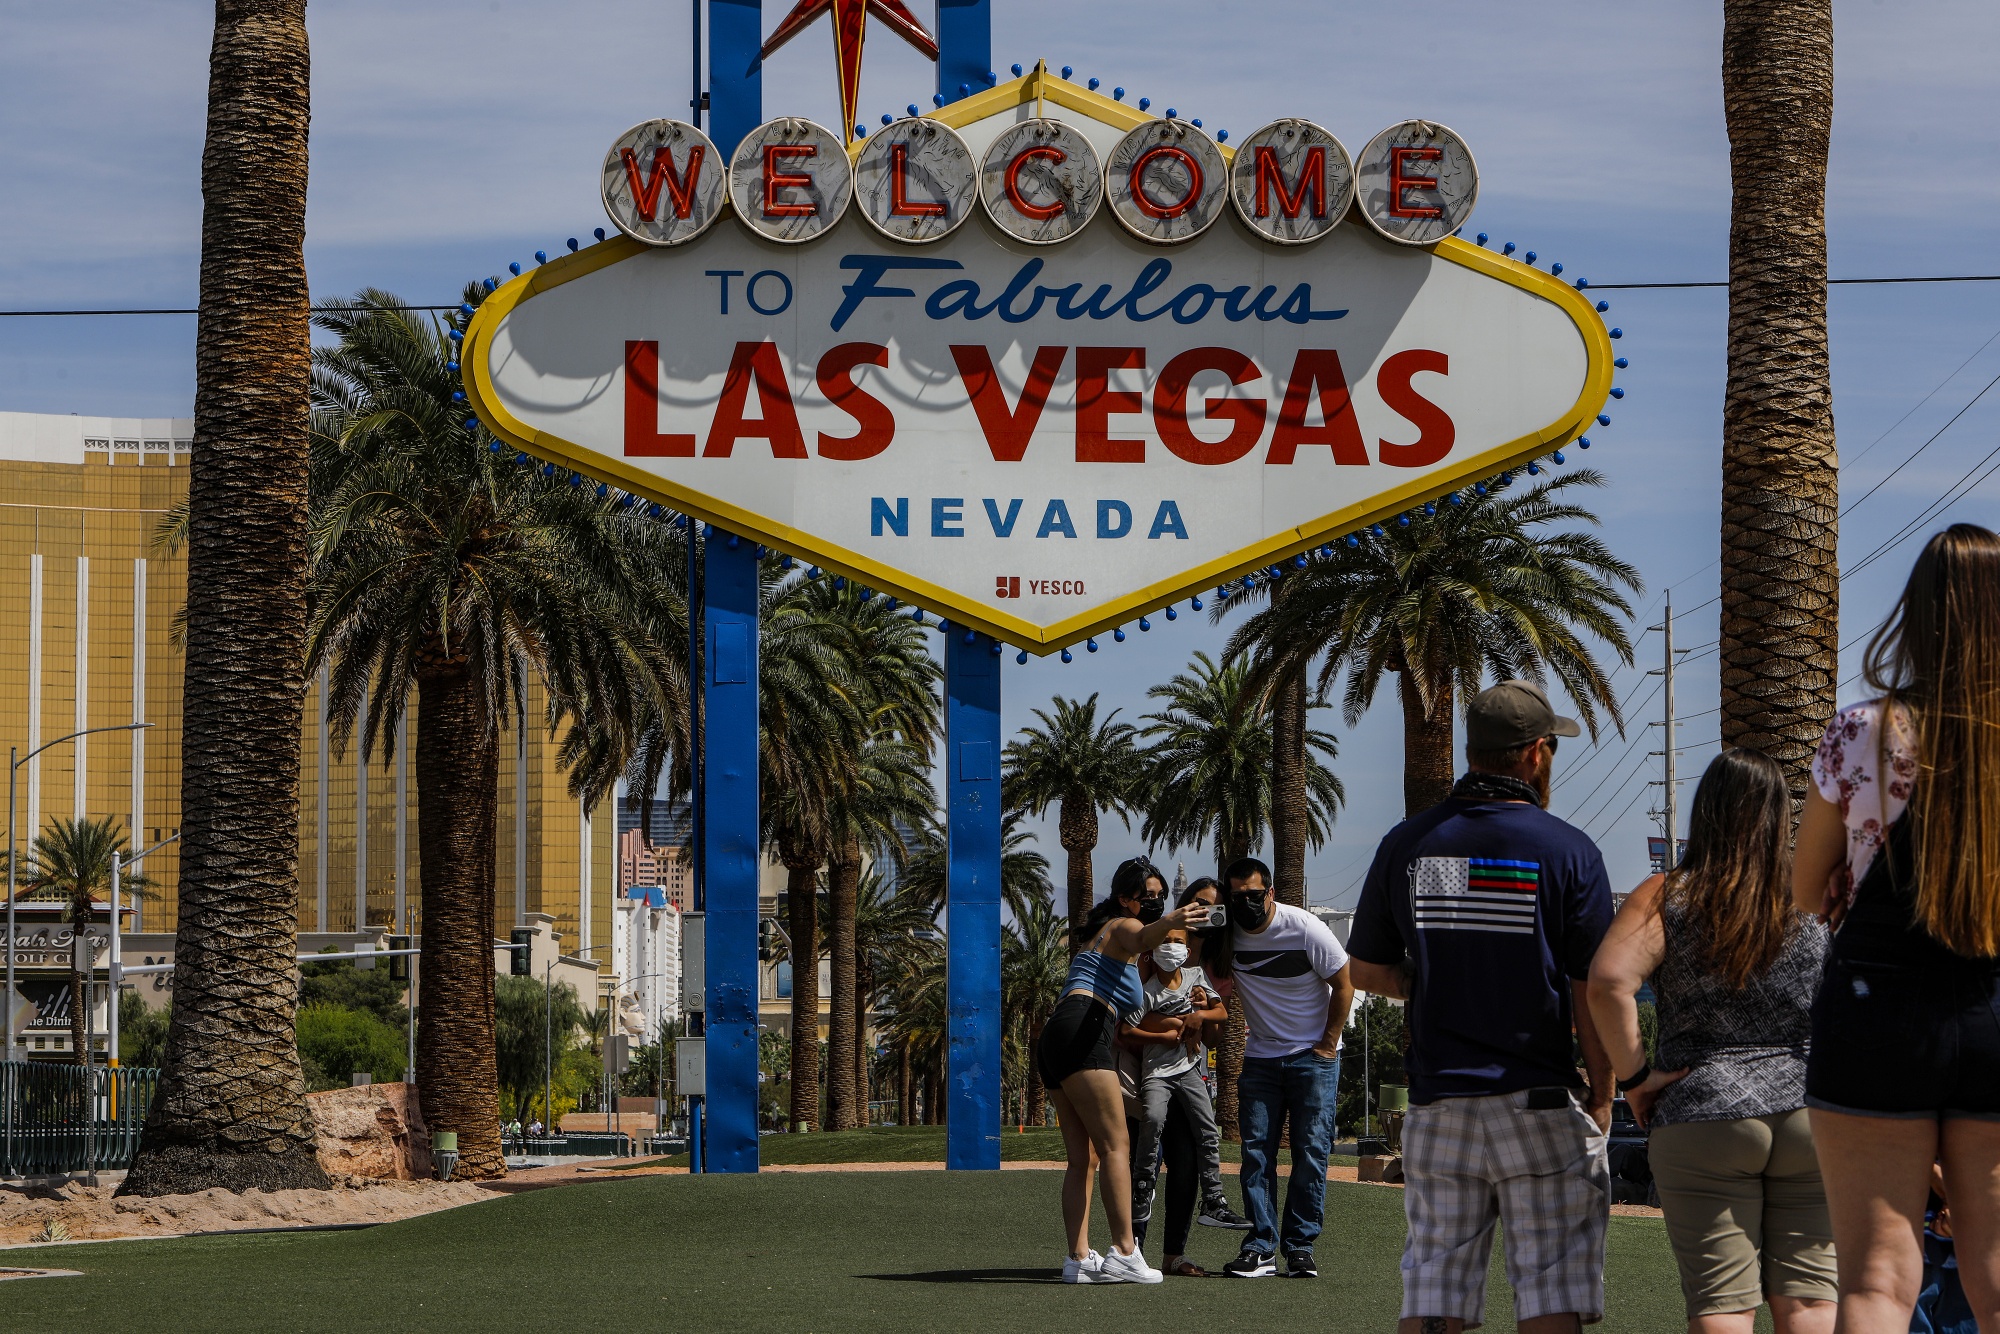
pixel 1668 814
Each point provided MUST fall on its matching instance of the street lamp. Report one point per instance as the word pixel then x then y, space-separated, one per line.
pixel 14 762
pixel 549 1035
pixel 119 863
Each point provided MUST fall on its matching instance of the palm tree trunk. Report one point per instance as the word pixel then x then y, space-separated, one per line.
pixel 1076 823
pixel 906 1089
pixel 1288 787
pixel 1037 1096
pixel 1780 482
pixel 933 1111
pixel 1428 763
pixel 79 987
pixel 864 987
pixel 1229 1056
pixel 458 782
pixel 231 1109
pixel 843 884
pixel 801 891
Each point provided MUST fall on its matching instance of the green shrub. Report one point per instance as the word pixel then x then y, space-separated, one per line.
pixel 342 1042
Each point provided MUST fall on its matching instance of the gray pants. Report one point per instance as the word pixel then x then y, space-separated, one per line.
pixel 1156 1096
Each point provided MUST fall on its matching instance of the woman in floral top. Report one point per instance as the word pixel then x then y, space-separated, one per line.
pixel 1899 848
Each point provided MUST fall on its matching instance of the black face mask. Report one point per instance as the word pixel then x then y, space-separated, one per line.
pixel 1152 909
pixel 1250 911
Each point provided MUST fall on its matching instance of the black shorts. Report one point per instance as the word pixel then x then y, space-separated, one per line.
pixel 1890 1039
pixel 1078 1036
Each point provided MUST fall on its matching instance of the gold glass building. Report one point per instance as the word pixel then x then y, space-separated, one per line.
pixel 87 614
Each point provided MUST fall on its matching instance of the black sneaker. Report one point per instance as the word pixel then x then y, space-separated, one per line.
pixel 1251 1264
pixel 1217 1213
pixel 1299 1264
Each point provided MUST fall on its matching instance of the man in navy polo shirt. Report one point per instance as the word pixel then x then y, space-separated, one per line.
pixel 1483 913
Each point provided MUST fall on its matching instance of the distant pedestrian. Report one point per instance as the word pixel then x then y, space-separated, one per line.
pixel 1292 976
pixel 1483 912
pixel 1078 1065
pixel 1734 967
pixel 1899 847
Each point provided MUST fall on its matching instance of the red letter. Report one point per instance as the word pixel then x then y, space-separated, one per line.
pixel 1147 204
pixel 836 381
pixel 1039 212
pixel 1435 432
pixel 1317 368
pixel 1096 402
pixel 1398 182
pixel 680 189
pixel 1271 176
pixel 775 180
pixel 1170 414
pixel 900 204
pixel 780 422
pixel 642 407
pixel 1007 431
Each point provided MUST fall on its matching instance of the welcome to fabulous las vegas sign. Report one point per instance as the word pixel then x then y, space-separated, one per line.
pixel 1040 360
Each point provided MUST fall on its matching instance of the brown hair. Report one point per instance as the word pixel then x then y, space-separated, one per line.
pixel 1734 880
pixel 1938 657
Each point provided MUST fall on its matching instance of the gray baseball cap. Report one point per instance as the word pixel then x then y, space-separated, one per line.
pixel 1512 714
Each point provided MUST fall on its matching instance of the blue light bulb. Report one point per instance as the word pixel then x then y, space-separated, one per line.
pixel 1603 419
pixel 1022 656
pixel 1119 634
pixel 1556 268
pixel 598 232
pixel 1507 249
pixel 515 268
pixel 937 99
pixel 1617 333
pixel 1066 657
pixel 971 637
pixel 491 285
pixel 1353 541
pixel 1093 85
pixel 1621 363
pixel 1482 238
pixel 1017 70
pixel 1067 71
pixel 965 90
pixel 912 108
pixel 1118 94
pixel 888 119
pixel 1145 103
pixel 541 257
pixel 1172 114
pixel 860 130
pixel 1194 603
pixel 1222 136
pixel 1090 644
pixel 1530 257
pixel 572 244
pixel 1603 306
pixel 1558 457
pixel 1618 393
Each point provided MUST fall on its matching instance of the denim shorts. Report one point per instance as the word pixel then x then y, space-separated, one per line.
pixel 1893 1040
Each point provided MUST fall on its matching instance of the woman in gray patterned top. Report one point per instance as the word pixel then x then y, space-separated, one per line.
pixel 1734 968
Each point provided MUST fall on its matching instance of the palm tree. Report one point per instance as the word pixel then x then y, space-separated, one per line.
pixel 443 570
pixel 230 1110
pixel 1024 871
pixel 1209 765
pixel 1034 967
pixel 72 862
pixel 1780 471
pixel 1081 767
pixel 919 1026
pixel 1480 587
pixel 888 920
pixel 1209 769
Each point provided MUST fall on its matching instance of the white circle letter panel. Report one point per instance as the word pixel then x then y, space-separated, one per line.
pixel 790 180
pixel 1041 181
pixel 915 180
pixel 1292 182
pixel 1417 182
pixel 1166 182
pixel 663 182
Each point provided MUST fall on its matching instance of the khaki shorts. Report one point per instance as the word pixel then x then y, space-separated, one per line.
pixel 1746 1212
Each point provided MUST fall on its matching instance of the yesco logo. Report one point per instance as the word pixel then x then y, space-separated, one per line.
pixel 1010 586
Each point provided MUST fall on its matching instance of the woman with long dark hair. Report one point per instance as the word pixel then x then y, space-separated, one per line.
pixel 1079 1066
pixel 1899 847
pixel 1734 967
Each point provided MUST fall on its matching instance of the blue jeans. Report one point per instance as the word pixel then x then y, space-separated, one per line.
pixel 1941 1306
pixel 1302 1087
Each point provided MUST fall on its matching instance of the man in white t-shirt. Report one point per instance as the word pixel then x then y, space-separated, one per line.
pixel 1292 975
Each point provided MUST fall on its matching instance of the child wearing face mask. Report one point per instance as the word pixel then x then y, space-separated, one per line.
pixel 1179 999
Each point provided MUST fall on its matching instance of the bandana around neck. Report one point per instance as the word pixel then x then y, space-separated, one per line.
pixel 1481 786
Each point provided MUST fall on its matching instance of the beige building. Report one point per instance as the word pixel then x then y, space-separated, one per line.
pixel 88 602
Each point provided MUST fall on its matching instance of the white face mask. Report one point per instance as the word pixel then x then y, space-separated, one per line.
pixel 1169 957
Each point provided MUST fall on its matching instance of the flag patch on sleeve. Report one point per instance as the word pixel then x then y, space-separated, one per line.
pixel 1475 894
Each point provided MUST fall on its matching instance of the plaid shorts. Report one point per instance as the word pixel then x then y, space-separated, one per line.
pixel 1471 1161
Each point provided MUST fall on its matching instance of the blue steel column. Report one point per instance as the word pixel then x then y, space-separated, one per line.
pixel 735 71
pixel 972 915
pixel 729 846
pixel 965 45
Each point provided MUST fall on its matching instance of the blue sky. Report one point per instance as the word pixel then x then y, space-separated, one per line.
pixel 449 138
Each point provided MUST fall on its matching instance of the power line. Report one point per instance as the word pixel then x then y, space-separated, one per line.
pixel 160 310
pixel 1830 282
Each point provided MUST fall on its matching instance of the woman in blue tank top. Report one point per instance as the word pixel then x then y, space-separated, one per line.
pixel 1080 1070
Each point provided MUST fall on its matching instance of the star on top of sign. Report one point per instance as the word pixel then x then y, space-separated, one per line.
pixel 850 28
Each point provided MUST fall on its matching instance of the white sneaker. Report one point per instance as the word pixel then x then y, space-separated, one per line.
pixel 1085 1270
pixel 1118 1268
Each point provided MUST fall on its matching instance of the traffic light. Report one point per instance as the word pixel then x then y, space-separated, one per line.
pixel 399 964
pixel 767 940
pixel 523 938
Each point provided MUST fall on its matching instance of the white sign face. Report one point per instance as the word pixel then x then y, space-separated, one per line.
pixel 1166 181
pixel 1417 182
pixel 790 180
pixel 1038 444
pixel 1041 181
pixel 663 182
pixel 1292 182
pixel 916 181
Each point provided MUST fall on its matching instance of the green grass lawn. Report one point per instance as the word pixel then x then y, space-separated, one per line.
pixel 913 1144
pixel 793 1252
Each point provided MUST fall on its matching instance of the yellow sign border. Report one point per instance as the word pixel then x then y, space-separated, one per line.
pixel 963 610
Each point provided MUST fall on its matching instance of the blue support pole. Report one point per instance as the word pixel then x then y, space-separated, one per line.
pixel 965 46
pixel 729 848
pixel 972 913
pixel 735 71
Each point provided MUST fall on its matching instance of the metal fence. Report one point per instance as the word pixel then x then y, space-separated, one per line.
pixel 575 1144
pixel 60 1118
